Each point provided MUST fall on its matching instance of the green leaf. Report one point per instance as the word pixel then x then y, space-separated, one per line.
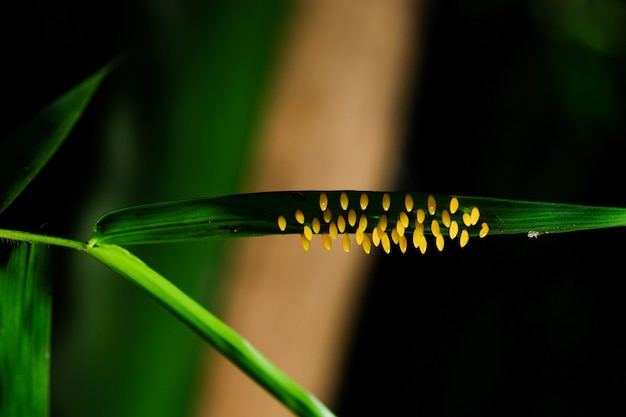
pixel 257 214
pixel 25 152
pixel 25 320
pixel 223 338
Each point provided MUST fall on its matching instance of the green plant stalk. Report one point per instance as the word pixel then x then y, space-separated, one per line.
pixel 218 334
pixel 214 331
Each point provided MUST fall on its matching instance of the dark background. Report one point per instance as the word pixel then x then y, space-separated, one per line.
pixel 520 100
pixel 516 99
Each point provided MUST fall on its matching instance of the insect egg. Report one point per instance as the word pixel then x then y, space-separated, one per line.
pixel 445 218
pixel 282 223
pixel 454 205
pixel 306 243
pixel 484 229
pixel 432 205
pixel 421 216
pixel 343 200
pixel 386 202
pixel 315 225
pixel 308 233
pixel 332 230
pixel 439 242
pixel 404 219
pixel 400 229
pixel 386 244
pixel 359 236
pixel 341 224
pixel 328 244
pixel 395 237
pixel 434 228
pixel 376 237
pixel 364 201
pixel 345 243
pixel 299 216
pixel 474 216
pixel 467 219
pixel 352 217
pixel 367 244
pixel 408 202
pixel 382 223
pixel 464 238
pixel 423 244
pixel 416 240
pixel 454 229
pixel 363 222
pixel 403 244
pixel 323 201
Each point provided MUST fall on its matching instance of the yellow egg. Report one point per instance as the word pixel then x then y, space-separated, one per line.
pixel 299 215
pixel 445 218
pixel 315 225
pixel 345 243
pixel 439 242
pixel 386 201
pixel 421 216
pixel 434 228
pixel 474 216
pixel 323 201
pixel 408 203
pixel 454 205
pixel 328 244
pixel 332 230
pixel 308 233
pixel 343 200
pixel 382 223
pixel 364 201
pixel 385 243
pixel 341 224
pixel 328 215
pixel 367 244
pixel 363 222
pixel 282 223
pixel 464 238
pixel 352 217
pixel 483 230
pixel 454 229
pixel 432 205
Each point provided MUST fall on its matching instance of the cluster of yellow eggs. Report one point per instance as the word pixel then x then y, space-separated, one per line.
pixel 410 225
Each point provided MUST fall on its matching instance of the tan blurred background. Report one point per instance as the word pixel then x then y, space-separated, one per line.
pixel 334 122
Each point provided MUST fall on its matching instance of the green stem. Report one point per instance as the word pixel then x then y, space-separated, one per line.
pixel 217 333
pixel 48 240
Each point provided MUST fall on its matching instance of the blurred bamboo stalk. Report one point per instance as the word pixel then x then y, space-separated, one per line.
pixel 334 121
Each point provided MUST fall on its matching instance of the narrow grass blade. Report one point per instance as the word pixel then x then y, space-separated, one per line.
pixel 25 152
pixel 218 334
pixel 258 214
pixel 25 320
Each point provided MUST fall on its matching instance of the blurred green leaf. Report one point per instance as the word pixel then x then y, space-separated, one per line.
pixel 25 152
pixel 257 214
pixel 25 322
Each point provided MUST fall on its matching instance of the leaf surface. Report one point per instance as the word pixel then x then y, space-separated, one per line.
pixel 257 214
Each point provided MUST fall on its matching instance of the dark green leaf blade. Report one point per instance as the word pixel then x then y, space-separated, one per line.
pixel 257 214
pixel 25 320
pixel 25 152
